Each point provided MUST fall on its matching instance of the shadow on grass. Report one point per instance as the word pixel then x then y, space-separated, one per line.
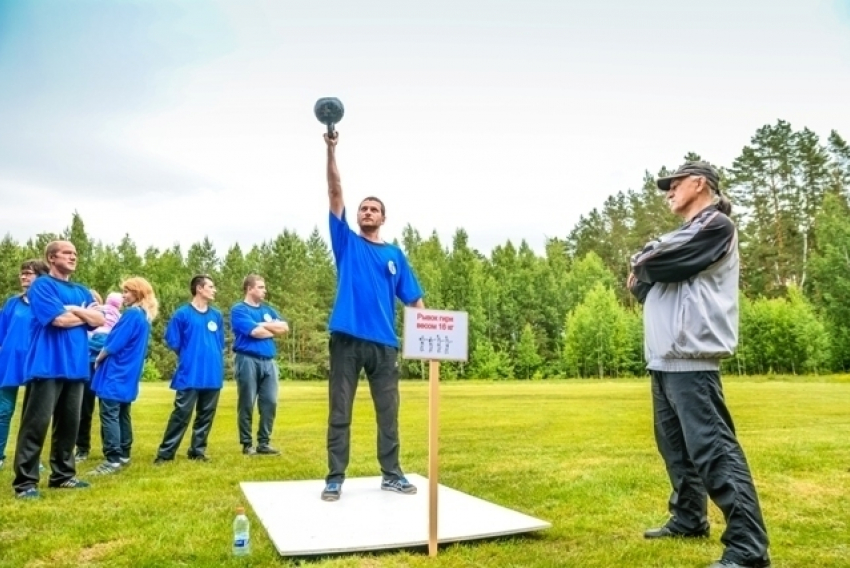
pixel 515 539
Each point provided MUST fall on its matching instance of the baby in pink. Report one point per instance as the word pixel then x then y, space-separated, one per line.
pixel 111 309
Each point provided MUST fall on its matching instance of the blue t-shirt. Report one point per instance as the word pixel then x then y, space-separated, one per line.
pixel 15 333
pixel 117 376
pixel 57 352
pixel 243 319
pixel 370 276
pixel 198 339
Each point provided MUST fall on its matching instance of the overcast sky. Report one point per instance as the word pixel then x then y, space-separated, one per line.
pixel 175 120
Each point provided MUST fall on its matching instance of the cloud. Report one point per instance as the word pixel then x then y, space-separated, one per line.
pixel 89 166
pixel 196 117
pixel 80 77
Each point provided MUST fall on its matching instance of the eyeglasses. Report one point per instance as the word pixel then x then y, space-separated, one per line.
pixel 27 273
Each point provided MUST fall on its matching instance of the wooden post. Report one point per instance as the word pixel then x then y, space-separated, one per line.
pixel 433 452
pixel 434 336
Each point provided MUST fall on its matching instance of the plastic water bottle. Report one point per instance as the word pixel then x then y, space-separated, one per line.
pixel 241 534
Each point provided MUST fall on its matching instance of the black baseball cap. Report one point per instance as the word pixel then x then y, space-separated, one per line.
pixel 692 169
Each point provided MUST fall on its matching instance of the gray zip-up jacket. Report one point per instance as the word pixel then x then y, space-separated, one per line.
pixel 687 281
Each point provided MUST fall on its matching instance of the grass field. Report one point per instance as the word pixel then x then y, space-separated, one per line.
pixel 579 454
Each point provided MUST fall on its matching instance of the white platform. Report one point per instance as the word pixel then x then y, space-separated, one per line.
pixel 366 518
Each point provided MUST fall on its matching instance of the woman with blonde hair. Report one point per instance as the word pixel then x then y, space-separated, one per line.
pixel 118 371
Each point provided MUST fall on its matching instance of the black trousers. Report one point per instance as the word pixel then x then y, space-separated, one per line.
pixel 46 400
pixel 204 403
pixel 696 438
pixel 86 414
pixel 348 355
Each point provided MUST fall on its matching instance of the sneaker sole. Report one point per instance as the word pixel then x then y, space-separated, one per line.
pixel 399 491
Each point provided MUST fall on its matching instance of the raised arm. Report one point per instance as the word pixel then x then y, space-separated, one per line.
pixel 334 184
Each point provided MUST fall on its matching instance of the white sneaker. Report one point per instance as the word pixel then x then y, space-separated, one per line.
pixel 106 469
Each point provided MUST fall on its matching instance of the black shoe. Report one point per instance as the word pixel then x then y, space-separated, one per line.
pixel 248 450
pixel 732 564
pixel 72 483
pixel 267 450
pixel 199 458
pixel 332 491
pixel 161 460
pixel 81 456
pixel 666 532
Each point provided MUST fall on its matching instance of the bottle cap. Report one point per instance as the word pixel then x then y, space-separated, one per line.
pixel 240 510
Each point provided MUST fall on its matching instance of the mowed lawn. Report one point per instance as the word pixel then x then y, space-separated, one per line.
pixel 579 454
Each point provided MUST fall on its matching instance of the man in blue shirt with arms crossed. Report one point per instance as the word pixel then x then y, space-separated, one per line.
pixel 55 369
pixel 370 275
pixel 255 324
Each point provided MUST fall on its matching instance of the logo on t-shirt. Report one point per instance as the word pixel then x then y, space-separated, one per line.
pixel 391 266
pixel 267 316
pixel 212 326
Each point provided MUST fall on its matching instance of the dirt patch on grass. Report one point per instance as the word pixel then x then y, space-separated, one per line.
pixel 811 490
pixel 85 556
pixel 101 549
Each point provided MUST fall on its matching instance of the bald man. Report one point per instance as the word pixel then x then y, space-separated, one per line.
pixel 56 368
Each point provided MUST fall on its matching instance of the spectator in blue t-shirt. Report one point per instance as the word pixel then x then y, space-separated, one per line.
pixel 15 333
pixel 196 333
pixel 118 369
pixel 55 369
pixel 255 324
pixel 371 274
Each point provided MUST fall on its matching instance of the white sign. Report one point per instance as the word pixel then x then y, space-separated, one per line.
pixel 435 335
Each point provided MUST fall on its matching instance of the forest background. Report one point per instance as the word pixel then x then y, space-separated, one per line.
pixel 563 313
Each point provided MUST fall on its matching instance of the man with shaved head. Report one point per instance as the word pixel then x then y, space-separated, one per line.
pixel 55 370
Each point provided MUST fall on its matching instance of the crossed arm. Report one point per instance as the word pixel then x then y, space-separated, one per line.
pixel 682 256
pixel 75 316
pixel 269 329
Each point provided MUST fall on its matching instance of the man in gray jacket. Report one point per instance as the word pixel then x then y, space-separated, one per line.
pixel 687 281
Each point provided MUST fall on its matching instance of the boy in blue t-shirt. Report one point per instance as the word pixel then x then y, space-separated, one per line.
pixel 196 333
pixel 55 370
pixel 371 274
pixel 255 324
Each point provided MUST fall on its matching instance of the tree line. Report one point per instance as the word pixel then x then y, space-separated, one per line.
pixel 562 313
